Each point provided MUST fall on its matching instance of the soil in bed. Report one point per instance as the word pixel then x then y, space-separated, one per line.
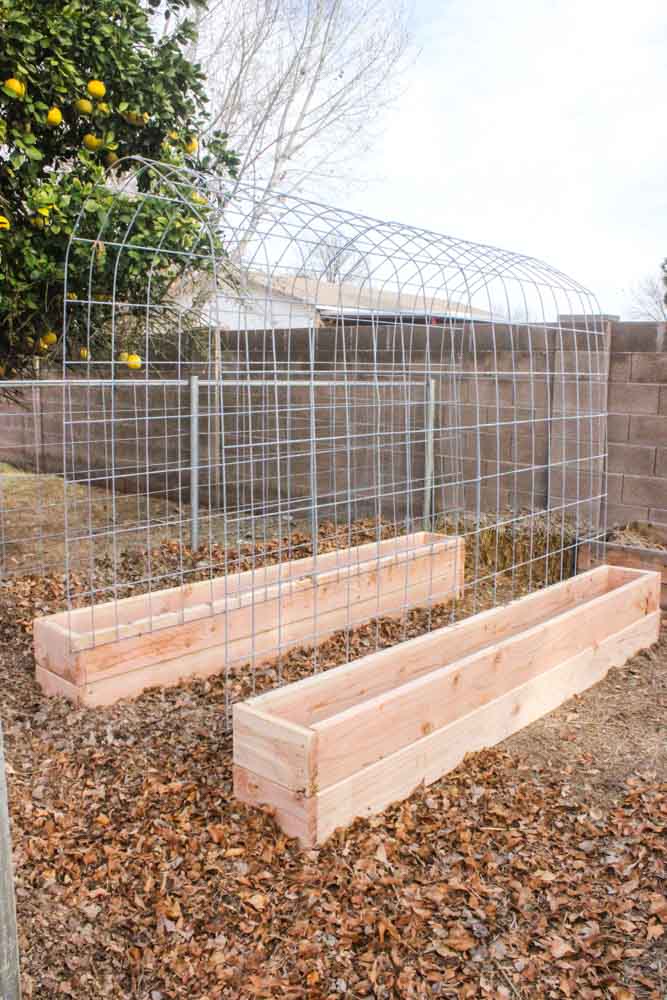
pixel 537 869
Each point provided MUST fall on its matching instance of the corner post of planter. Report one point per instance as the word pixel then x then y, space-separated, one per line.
pixel 194 462
pixel 10 983
pixel 429 452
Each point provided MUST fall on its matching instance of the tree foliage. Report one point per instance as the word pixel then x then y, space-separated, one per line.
pixel 85 85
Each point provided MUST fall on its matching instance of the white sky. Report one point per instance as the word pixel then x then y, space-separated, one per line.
pixel 539 126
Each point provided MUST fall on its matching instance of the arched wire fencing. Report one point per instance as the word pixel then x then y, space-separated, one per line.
pixel 260 396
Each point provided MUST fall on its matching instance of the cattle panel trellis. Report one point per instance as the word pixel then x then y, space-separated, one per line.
pixel 336 422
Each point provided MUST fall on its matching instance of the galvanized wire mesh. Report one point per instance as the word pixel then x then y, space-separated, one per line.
pixel 311 381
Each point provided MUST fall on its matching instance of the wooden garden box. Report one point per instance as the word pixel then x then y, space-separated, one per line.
pixel 352 740
pixel 634 556
pixel 94 656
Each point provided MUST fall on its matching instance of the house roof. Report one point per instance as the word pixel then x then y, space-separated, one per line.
pixel 346 297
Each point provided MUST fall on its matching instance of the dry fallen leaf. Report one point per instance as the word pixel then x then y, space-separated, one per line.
pixel 258 901
pixel 472 887
pixel 459 939
pixel 558 947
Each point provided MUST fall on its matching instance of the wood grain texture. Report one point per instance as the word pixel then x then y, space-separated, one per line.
pixel 295 814
pixel 630 557
pixel 395 777
pixel 275 749
pixel 380 729
pixel 10 980
pixel 311 600
pixel 316 698
pixel 378 726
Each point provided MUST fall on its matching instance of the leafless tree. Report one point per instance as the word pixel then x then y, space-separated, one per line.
pixel 300 85
pixel 336 261
pixel 647 299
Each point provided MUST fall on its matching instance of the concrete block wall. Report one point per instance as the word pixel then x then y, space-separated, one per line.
pixel 637 423
pixel 531 451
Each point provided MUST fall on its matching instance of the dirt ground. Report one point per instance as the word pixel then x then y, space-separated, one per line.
pixel 534 870
pixel 537 869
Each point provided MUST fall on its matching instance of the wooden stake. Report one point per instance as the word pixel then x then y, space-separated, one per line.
pixel 10 983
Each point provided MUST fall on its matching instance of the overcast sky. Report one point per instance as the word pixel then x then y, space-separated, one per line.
pixel 536 125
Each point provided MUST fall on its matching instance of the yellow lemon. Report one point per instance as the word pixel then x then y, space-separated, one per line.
pixel 103 108
pixel 110 159
pixel 37 221
pixel 136 118
pixel 83 353
pixel 42 345
pixel 72 295
pixel 96 88
pixel 191 146
pixel 133 361
pixel 50 338
pixel 30 341
pixel 54 117
pixel 198 198
pixel 172 135
pixel 4 222
pixel 123 356
pixel 92 142
pixel 84 106
pixel 17 88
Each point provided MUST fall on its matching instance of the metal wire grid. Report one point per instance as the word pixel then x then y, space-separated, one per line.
pixel 434 384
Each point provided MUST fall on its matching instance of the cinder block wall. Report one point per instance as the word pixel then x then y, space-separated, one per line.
pixel 637 424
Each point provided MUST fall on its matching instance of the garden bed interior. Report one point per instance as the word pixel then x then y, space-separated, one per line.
pixel 638 546
pixel 347 742
pixel 96 655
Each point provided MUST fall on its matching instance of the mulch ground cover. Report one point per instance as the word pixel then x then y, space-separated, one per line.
pixel 538 869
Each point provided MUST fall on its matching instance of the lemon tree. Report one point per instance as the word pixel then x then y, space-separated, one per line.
pixel 83 85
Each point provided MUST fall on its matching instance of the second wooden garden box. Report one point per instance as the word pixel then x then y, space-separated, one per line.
pixel 350 741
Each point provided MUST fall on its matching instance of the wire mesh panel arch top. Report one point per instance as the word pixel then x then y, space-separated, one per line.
pixel 300 434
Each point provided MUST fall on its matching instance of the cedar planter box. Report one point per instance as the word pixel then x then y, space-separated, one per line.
pixel 349 742
pixel 634 556
pixel 94 656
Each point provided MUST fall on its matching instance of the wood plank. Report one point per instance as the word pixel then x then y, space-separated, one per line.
pixel 395 777
pixel 150 607
pixel 439 583
pixel 295 814
pixel 376 727
pixel 55 686
pixel 259 632
pixel 52 648
pixel 633 557
pixel 316 698
pixel 648 559
pixel 275 749
pixel 10 973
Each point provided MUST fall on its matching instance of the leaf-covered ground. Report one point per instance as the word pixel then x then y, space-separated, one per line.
pixel 538 869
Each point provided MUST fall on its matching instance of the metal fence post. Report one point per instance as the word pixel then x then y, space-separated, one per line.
pixel 194 462
pixel 429 452
pixel 10 983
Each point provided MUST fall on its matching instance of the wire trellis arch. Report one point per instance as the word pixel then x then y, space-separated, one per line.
pixel 435 387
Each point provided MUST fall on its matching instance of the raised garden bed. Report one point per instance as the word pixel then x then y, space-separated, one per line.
pixel 97 655
pixel 637 545
pixel 348 742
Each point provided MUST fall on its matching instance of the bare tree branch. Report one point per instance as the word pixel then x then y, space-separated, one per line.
pixel 301 85
pixel 647 299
